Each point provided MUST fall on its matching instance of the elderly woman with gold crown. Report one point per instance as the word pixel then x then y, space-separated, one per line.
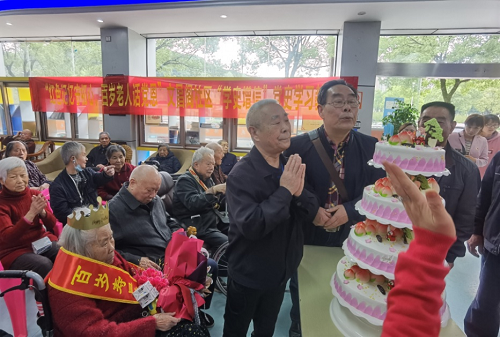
pixel 91 285
pixel 24 217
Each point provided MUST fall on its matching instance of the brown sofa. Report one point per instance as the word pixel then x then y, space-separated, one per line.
pixel 184 156
pixel 53 164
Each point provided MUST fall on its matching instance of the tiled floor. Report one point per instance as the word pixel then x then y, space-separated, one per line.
pixel 462 284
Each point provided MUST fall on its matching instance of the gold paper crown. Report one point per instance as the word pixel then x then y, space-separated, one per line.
pixel 90 220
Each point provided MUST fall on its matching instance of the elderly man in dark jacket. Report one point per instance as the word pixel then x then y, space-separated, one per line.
pixel 97 156
pixel 196 198
pixel 267 206
pixel 349 152
pixel 76 186
pixel 483 316
pixel 460 188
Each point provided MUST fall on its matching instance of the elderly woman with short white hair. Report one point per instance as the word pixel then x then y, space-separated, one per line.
pixel 76 186
pixel 91 285
pixel 24 242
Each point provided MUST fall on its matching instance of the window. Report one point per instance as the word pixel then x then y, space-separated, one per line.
pixel 59 125
pixel 61 58
pixel 3 122
pixel 234 56
pixel 21 115
pixel 482 48
pixel 88 125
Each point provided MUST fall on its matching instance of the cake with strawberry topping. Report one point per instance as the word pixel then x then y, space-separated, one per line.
pixel 365 276
pixel 380 202
pixel 412 153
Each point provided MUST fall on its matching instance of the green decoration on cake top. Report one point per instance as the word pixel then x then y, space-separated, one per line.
pixel 433 131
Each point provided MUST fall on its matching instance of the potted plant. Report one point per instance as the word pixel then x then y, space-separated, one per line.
pixel 404 113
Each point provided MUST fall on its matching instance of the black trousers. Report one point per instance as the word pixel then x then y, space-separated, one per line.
pixel 246 304
pixel 40 264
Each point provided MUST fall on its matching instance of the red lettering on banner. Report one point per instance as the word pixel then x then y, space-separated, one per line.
pixel 288 97
pixel 181 103
pixel 104 94
pixel 236 97
pixel 137 94
pixel 206 96
pixel 299 91
pixel 189 96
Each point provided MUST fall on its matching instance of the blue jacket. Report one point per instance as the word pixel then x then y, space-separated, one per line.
pixel 169 164
pixel 487 221
pixel 64 196
pixel 358 174
pixel 228 162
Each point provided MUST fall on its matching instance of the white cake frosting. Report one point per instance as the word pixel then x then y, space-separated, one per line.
pixel 378 257
pixel 428 161
pixel 386 210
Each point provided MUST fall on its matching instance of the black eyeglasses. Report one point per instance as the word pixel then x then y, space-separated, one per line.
pixel 353 103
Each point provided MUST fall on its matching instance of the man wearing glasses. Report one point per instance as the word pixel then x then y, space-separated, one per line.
pixel 347 152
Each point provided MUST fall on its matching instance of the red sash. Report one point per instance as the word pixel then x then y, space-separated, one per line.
pixel 82 276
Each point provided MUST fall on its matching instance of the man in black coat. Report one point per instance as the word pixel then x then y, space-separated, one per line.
pixel 349 151
pixel 267 204
pixel 483 316
pixel 97 156
pixel 460 188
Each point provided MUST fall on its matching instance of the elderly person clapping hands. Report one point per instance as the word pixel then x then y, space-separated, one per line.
pixel 37 180
pixel 23 215
pixel 76 186
pixel 90 286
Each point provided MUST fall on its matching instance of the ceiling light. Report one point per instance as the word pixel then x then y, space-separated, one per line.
pixel 223 16
pixel 100 21
pixel 9 24
pixel 361 13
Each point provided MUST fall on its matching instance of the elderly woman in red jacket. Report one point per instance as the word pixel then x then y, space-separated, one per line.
pixel 23 219
pixel 116 157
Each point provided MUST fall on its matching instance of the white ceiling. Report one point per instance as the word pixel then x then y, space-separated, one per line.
pixel 404 16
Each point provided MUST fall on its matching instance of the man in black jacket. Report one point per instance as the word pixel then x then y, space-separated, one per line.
pixel 482 318
pixel 97 156
pixel 349 152
pixel 460 188
pixel 267 205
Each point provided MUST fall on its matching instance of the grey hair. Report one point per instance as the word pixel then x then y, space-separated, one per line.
pixel 71 149
pixel 114 148
pixel 78 241
pixel 222 141
pixel 254 115
pixel 213 146
pixel 8 164
pixel 104 133
pixel 200 154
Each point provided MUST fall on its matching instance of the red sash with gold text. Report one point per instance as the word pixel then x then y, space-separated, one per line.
pixel 82 276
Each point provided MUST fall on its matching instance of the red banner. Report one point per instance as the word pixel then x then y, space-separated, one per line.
pixel 212 97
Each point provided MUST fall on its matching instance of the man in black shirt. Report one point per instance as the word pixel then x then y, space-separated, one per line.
pixel 267 206
pixel 97 156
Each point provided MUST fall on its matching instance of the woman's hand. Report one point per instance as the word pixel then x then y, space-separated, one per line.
pixel 38 204
pixel 109 170
pixel 146 263
pixel 166 321
pixel 424 211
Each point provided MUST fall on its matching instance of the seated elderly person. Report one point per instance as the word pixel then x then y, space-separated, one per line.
pixel 97 156
pixel 23 219
pixel 76 186
pixel 168 161
pixel 25 137
pixel 196 198
pixel 116 158
pixel 141 226
pixel 217 176
pixel 229 159
pixel 37 180
pixel 88 268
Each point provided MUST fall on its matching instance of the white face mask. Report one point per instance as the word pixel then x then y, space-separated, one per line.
pixel 78 168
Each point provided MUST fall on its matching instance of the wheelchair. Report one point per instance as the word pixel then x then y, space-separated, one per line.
pixel 29 280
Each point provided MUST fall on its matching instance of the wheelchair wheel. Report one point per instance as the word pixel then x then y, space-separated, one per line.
pixel 221 259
